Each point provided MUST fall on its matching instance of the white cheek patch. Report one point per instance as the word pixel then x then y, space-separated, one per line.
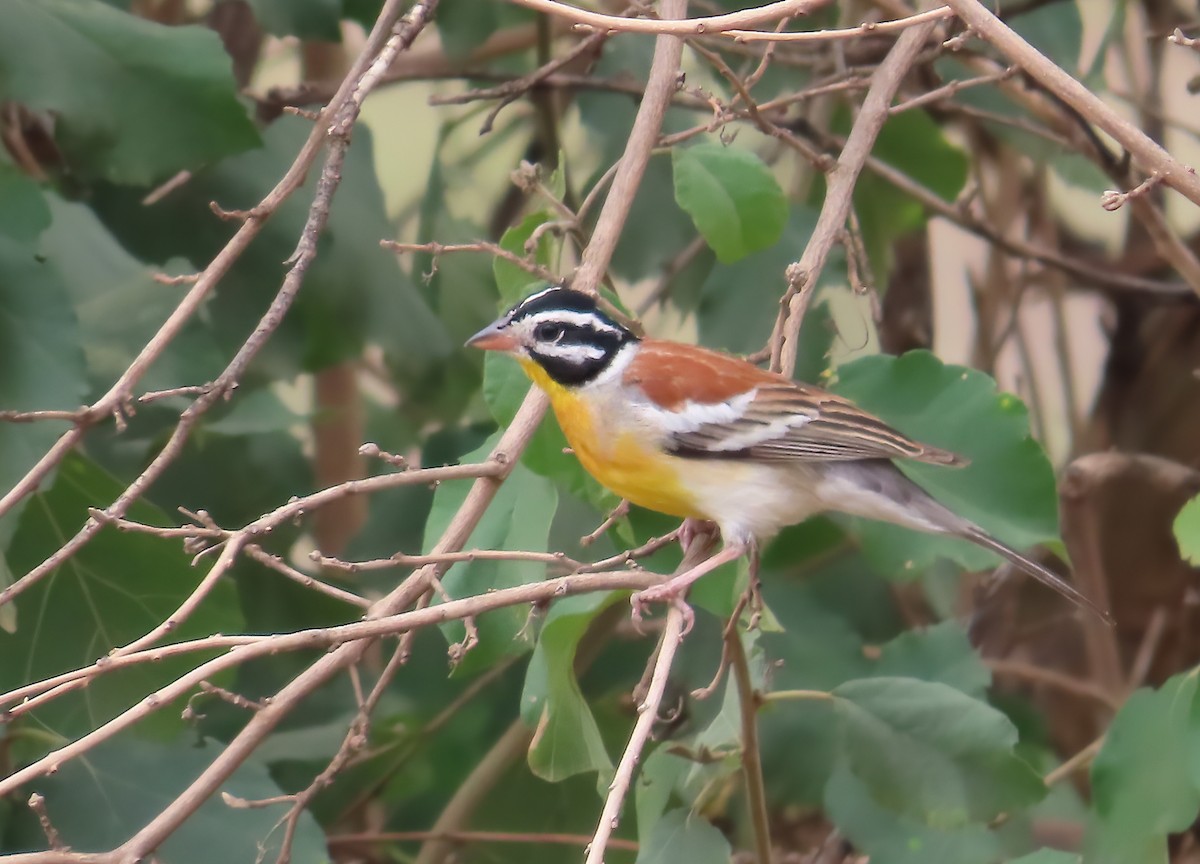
pixel 615 370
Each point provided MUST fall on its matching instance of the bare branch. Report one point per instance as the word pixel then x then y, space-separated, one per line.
pixel 670 25
pixel 672 635
pixel 870 28
pixel 1150 155
pixel 803 275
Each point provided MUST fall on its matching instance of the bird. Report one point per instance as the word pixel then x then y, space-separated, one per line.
pixel 703 435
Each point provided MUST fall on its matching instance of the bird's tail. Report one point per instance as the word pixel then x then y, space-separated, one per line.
pixel 1047 577
pixel 876 488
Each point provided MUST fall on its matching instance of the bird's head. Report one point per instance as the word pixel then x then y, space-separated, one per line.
pixel 562 331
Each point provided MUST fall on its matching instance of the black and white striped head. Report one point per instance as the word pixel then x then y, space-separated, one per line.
pixel 561 330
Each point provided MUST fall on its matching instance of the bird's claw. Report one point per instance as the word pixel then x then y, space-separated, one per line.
pixel 659 594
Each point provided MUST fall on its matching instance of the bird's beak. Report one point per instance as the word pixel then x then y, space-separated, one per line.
pixel 493 338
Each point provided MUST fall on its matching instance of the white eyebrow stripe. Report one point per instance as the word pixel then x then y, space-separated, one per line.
pixel 563 316
pixel 537 296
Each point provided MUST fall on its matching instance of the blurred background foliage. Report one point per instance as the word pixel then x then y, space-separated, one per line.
pixel 913 716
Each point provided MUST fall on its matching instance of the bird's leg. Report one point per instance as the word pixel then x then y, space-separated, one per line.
pixel 695 529
pixel 674 589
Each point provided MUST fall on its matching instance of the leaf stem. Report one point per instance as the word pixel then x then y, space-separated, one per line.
pixel 795 695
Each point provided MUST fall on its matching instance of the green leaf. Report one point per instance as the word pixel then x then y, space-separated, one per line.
pixel 1106 843
pixel 23 211
pixel 1187 531
pixel 1146 777
pixel 1047 856
pixel 307 19
pixel 739 301
pixel 566 739
pixel 836 624
pixel 116 588
pixel 657 230
pixel 41 364
pixel 681 837
pixel 120 306
pixel 256 413
pixel 517 519
pixel 1081 172
pixel 913 143
pixel 464 25
pixel 353 293
pixel 732 197
pixel 134 101
pixel 940 653
pixel 1055 29
pixel 100 800
pixel 513 282
pixel 661 774
pixel 1009 486
pixel 931 752
pixel 363 11
pixel 889 837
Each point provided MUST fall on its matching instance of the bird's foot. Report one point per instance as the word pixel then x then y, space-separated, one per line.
pixel 668 592
pixel 675 588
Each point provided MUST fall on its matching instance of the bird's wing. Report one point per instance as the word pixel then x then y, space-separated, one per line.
pixel 717 406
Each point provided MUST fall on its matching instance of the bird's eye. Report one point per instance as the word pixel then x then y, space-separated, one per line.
pixel 549 332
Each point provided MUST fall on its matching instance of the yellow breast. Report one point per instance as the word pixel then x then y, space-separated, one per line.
pixel 622 460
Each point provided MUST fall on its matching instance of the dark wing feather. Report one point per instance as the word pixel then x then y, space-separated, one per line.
pixel 792 422
pixel 785 421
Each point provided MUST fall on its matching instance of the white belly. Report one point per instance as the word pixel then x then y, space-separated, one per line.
pixel 754 501
pixel 751 501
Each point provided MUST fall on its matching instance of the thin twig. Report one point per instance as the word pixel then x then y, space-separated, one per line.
pixel 557 559
pixel 870 28
pixel 672 25
pixel 1152 158
pixel 802 276
pixel 629 555
pixel 647 717
pixel 241 649
pixel 527 264
pixel 37 416
pixel 618 513
pixel 356 739
pixel 37 803
pixel 1066 683
pixel 465 837
pixel 277 564
pixel 1078 762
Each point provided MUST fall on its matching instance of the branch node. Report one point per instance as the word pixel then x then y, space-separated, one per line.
pixel 1112 200
pixel 302 112
pixel 1179 39
pixel 372 450
pixel 234 215
pixel 37 803
pixel 182 279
